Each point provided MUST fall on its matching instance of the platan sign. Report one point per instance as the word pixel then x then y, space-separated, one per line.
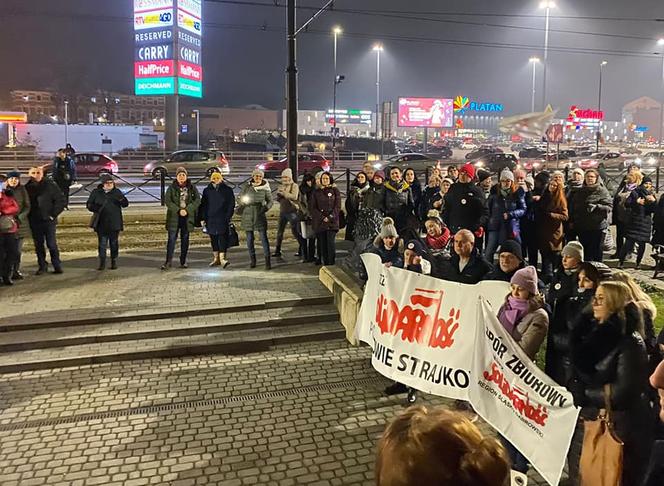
pixel 462 104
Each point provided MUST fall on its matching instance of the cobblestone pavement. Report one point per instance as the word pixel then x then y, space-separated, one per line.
pixel 298 414
pixel 139 284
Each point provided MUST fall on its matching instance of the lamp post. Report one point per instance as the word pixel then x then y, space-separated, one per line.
pixel 336 31
pixel 378 48
pixel 660 42
pixel 599 100
pixel 534 61
pixel 548 5
pixel 198 129
pixel 66 122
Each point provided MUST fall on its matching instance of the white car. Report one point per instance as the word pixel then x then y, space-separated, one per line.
pixel 469 146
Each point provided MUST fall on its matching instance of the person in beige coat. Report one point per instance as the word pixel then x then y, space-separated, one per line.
pixel 524 317
pixel 289 205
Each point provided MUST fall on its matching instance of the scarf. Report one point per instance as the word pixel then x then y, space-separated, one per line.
pixel 363 189
pixel 505 192
pixel 438 242
pixel 184 196
pixel 512 312
pixel 400 186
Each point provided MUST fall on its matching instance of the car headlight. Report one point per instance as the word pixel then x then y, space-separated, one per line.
pixel 651 160
pixel 377 166
pixel 261 166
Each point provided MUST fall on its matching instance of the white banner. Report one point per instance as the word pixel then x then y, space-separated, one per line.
pixel 444 338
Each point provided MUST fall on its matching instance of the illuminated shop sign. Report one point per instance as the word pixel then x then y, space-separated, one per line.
pixel 463 104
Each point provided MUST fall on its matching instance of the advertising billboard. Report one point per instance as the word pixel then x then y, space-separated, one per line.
pixel 167 47
pixel 350 117
pixel 426 112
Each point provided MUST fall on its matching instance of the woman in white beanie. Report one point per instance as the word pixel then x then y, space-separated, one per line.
pixel 254 202
pixel 506 204
pixel 288 198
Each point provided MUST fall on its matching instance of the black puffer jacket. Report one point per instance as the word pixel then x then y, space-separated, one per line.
pixel 375 197
pixel 465 207
pixel 590 207
pixel 639 218
pixel 46 200
pixel 613 353
pixel 109 207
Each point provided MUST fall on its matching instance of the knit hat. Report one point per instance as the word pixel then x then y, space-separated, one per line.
pixel 388 228
pixel 447 179
pixel 645 180
pixel 181 170
pixel 573 249
pixel 434 215
pixel 596 271
pixel 379 173
pixel 104 178
pixel 483 174
pixel 257 171
pixel 287 172
pixel 526 278
pixel 578 170
pixel 506 175
pixel 511 246
pixel 417 247
pixel 13 173
pixel 468 169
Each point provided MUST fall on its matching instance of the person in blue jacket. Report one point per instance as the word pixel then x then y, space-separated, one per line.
pixel 506 205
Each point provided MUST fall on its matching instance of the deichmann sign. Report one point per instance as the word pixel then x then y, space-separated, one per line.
pixel 190 88
pixel 154 86
pixel 444 338
pixel 462 104
pixel 154 69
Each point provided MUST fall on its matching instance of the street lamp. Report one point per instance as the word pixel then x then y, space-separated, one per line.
pixel 548 5
pixel 198 129
pixel 534 61
pixel 599 100
pixel 660 42
pixel 337 79
pixel 378 48
pixel 66 122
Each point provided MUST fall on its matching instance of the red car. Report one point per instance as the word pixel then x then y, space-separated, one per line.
pixel 305 163
pixel 91 165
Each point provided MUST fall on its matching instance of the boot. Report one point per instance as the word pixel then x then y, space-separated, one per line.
pixel 102 264
pixel 222 260
pixel 42 270
pixel 215 261
pixel 17 275
pixel 166 266
pixel 277 254
pixel 114 264
pixel 268 263
pixel 252 261
pixel 7 281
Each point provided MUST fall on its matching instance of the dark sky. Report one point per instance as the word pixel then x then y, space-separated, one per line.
pixel 89 43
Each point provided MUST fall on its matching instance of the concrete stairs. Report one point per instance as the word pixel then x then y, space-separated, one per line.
pixel 102 336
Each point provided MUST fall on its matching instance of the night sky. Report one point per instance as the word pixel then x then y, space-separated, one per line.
pixel 85 44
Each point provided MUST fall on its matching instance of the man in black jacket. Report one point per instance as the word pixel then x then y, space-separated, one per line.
pixel 46 203
pixel 64 172
pixel 466 265
pixel 510 259
pixel 465 205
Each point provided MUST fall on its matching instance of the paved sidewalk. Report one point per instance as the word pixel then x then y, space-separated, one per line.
pixel 298 414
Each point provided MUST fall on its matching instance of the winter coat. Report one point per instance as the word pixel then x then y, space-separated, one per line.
pixel 304 198
pixel 173 205
pixel 530 332
pixel 416 191
pixel 287 197
pixel 639 223
pixel 217 206
pixel 354 202
pixel 613 353
pixel 658 223
pixel 474 271
pixel 254 203
pixel 9 207
pixel 589 208
pixel 465 207
pixel 515 207
pixel 429 196
pixel 109 207
pixel 620 213
pixel 498 274
pixel 64 171
pixel 46 200
pixel 326 204
pixel 562 287
pixel 375 198
pixel 21 195
pixel 399 205
pixel 549 219
pixel 393 256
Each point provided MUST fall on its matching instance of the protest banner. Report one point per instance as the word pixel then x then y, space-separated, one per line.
pixel 519 400
pixel 444 338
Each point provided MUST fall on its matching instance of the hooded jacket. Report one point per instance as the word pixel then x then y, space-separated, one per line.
pixel 173 205
pixel 287 197
pixel 514 204
pixel 253 204
pixel 589 208
pixel 639 219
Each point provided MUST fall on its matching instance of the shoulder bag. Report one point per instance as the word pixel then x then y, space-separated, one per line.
pixel 602 451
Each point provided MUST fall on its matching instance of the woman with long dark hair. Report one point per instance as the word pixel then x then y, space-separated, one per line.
pixel 325 209
pixel 551 213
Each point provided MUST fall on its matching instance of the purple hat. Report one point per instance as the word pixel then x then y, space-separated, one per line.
pixel 526 278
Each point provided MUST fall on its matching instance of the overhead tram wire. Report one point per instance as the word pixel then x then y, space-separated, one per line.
pixel 394 37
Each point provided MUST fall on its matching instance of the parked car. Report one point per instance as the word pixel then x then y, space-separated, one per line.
pixel 496 162
pixel 468 146
pixel 197 162
pixel 418 162
pixel 90 164
pixel 589 163
pixel 306 162
pixel 482 152
pixel 531 153
pixel 440 152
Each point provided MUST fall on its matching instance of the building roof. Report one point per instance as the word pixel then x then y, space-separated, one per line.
pixel 642 103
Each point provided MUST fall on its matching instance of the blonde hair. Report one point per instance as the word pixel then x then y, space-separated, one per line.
pixel 432 446
pixel 640 298
pixel 635 177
